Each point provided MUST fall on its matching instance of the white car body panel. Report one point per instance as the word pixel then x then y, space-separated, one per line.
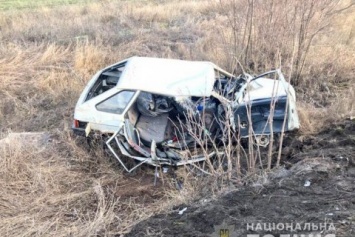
pixel 168 76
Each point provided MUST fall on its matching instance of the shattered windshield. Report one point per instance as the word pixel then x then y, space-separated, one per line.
pixel 228 86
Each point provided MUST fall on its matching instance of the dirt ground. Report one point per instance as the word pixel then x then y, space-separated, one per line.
pixel 315 185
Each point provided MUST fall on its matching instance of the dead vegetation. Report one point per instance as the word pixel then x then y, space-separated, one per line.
pixel 58 187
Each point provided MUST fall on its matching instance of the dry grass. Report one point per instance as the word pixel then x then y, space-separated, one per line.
pixel 46 58
pixel 51 186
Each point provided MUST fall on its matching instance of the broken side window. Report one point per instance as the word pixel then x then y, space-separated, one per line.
pixel 106 81
pixel 116 104
pixel 153 105
pixel 225 85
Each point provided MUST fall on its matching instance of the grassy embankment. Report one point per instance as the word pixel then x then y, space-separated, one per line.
pixel 47 54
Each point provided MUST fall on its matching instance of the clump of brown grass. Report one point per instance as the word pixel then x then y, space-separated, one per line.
pixel 89 58
pixel 343 106
pixel 311 120
pixel 51 186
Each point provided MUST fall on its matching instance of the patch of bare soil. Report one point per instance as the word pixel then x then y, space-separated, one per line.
pixel 316 185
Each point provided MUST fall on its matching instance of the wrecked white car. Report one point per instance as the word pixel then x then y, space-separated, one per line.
pixel 155 110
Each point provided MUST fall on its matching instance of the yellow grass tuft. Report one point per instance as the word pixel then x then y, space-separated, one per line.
pixel 88 59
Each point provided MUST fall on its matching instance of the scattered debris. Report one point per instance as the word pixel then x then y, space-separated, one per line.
pixel 182 211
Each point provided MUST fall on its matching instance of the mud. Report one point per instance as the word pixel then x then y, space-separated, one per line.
pixel 316 184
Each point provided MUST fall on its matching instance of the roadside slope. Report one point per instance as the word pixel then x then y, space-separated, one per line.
pixel 325 162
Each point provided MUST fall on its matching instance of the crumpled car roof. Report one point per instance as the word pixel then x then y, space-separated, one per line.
pixel 168 76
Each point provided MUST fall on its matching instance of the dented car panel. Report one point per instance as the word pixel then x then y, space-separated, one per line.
pixel 168 76
pixel 162 111
pixel 260 93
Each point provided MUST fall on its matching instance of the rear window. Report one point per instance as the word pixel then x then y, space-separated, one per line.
pixel 116 104
pixel 106 81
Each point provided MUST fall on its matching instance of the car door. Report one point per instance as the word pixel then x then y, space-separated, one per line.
pixel 105 112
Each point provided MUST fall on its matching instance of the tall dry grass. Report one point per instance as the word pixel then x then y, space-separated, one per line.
pixel 48 54
pixel 51 186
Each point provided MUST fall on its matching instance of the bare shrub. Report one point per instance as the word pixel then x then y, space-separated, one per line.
pixel 274 33
pixel 228 155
